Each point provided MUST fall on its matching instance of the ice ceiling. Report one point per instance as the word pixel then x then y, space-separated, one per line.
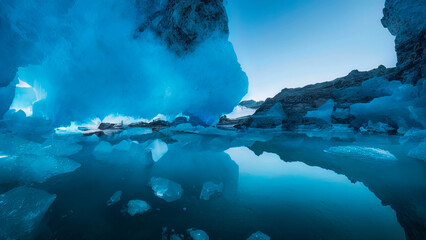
pixel 81 59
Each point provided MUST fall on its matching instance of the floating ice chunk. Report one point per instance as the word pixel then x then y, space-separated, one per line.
pixel 61 147
pixel 209 188
pixel 158 148
pixel 21 209
pixel 91 138
pixel 413 135
pixel 197 234
pixel 360 152
pixel 33 168
pixel 419 152
pixel 175 237
pixel 166 189
pixel 116 197
pixel 123 146
pixel 259 236
pixel 137 207
pixel 103 148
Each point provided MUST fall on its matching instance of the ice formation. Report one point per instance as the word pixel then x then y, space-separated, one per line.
pixel 362 153
pixel 21 209
pixel 324 112
pixel 103 148
pixel 259 236
pixel 137 207
pixel 419 152
pixel 124 145
pixel 197 234
pixel 210 188
pixel 166 189
pixel 135 58
pixel 116 197
pixel 158 148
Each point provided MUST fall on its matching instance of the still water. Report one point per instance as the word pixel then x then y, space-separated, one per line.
pixel 287 186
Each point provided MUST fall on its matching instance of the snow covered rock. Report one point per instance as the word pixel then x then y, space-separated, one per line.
pixel 137 207
pixel 166 189
pixel 21 209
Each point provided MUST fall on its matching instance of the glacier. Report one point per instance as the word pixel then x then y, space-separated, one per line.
pixel 150 59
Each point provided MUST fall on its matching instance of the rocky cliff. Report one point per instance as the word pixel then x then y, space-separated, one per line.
pixel 384 99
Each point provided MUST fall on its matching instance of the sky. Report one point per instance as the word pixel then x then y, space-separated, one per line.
pixel 293 43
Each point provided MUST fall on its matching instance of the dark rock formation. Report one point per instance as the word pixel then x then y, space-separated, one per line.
pixel 404 19
pixel 184 24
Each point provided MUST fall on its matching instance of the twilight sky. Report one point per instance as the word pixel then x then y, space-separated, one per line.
pixel 292 43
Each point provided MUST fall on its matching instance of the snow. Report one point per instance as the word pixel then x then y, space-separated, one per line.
pixel 21 209
pixel 361 153
pixel 210 188
pixel 158 148
pixel 116 197
pixel 166 189
pixel 259 236
pixel 137 207
pixel 240 111
pixel 197 234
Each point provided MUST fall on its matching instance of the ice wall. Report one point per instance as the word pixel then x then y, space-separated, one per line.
pixel 136 58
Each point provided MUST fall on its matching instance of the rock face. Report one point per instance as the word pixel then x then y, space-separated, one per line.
pixel 406 20
pixel 363 99
pixel 184 24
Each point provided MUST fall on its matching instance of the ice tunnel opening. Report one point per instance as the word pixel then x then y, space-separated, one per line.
pixel 25 97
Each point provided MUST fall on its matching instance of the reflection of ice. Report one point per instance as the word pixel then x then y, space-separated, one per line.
pixel 362 153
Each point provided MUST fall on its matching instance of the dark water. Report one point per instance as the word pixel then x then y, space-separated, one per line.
pixel 285 186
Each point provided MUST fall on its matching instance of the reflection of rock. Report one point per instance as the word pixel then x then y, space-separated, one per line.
pixel 389 180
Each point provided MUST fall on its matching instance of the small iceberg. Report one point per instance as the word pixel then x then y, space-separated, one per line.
pixel 116 197
pixel 21 209
pixel 360 152
pixel 137 207
pixel 103 148
pixel 197 234
pixel 259 236
pixel 166 189
pixel 210 188
pixel 158 148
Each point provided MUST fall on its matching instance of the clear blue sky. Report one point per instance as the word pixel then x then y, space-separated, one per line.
pixel 292 43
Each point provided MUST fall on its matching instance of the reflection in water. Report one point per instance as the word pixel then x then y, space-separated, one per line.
pixel 283 185
pixel 311 202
